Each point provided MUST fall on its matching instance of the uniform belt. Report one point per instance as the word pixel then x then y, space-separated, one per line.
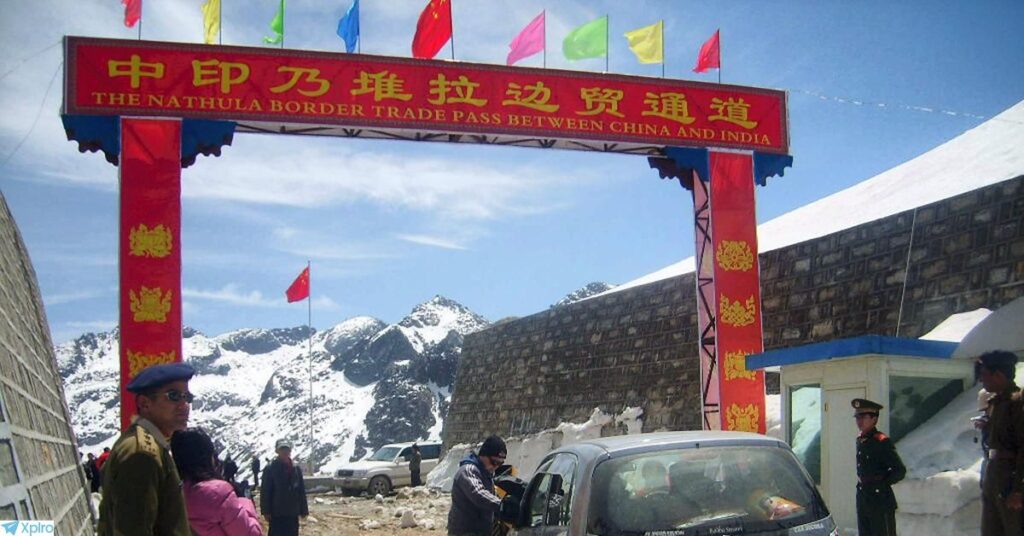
pixel 994 454
pixel 871 479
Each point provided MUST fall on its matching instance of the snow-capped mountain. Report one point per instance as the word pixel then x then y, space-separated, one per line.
pixel 373 383
pixel 592 289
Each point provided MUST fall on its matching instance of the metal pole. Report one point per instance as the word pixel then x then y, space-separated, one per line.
pixel 451 28
pixel 309 333
pixel 662 48
pixel 607 22
pixel 220 23
pixel 545 13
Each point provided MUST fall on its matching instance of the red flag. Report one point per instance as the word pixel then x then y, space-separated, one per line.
pixel 300 287
pixel 132 12
pixel 433 30
pixel 709 57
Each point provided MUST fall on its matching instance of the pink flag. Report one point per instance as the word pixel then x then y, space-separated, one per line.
pixel 529 41
pixel 709 57
pixel 132 12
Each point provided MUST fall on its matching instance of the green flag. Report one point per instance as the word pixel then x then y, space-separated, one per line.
pixel 587 41
pixel 277 26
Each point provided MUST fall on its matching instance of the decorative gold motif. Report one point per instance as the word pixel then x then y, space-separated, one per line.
pixel 150 304
pixel 138 361
pixel 146 242
pixel 736 313
pixel 734 255
pixel 736 366
pixel 744 419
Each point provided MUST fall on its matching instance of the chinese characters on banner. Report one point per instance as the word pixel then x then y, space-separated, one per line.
pixel 110 77
pixel 150 252
pixel 738 291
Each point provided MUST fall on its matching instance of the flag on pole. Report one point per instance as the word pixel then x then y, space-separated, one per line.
pixel 529 41
pixel 587 41
pixel 211 21
pixel 299 290
pixel 433 29
pixel 132 12
pixel 648 42
pixel 708 57
pixel 277 26
pixel 348 27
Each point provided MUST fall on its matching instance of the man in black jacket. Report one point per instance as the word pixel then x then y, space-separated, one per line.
pixel 283 494
pixel 474 501
pixel 878 468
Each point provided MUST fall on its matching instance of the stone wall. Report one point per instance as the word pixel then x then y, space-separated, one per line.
pixel 40 475
pixel 638 347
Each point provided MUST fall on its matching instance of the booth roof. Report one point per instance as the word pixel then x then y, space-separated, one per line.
pixel 867 344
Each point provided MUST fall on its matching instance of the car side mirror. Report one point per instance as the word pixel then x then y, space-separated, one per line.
pixel 509 511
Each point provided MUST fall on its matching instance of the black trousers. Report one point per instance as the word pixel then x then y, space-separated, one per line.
pixel 874 519
pixel 416 479
pixel 284 526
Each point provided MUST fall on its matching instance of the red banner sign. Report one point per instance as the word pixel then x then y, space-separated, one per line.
pixel 150 249
pixel 111 77
pixel 738 289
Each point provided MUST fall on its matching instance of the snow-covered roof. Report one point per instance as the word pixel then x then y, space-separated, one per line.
pixel 987 154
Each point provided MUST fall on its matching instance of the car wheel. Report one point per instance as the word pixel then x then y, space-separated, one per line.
pixel 380 484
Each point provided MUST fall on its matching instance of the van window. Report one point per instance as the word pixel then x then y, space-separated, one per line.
pixel 406 453
pixel 430 452
pixel 712 489
pixel 550 496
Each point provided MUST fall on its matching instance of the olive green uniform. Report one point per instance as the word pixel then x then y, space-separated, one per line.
pixel 1004 472
pixel 141 487
pixel 878 468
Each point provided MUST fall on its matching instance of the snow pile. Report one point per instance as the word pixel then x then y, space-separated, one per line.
pixel 525 453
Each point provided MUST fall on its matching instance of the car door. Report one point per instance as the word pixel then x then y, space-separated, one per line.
pixel 431 455
pixel 547 505
pixel 400 475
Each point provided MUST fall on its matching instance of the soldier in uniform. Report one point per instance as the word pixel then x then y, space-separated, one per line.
pixel 878 468
pixel 1003 480
pixel 141 487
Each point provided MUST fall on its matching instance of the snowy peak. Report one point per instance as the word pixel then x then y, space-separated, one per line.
pixel 430 322
pixel 592 289
pixel 262 341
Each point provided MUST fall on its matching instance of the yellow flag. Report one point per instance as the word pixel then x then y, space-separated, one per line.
pixel 647 43
pixel 211 21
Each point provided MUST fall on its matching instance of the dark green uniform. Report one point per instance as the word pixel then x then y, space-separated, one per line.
pixel 1003 475
pixel 878 468
pixel 141 487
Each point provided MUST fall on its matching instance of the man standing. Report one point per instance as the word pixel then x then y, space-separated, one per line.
pixel 878 468
pixel 141 487
pixel 283 495
pixel 1002 482
pixel 414 465
pixel 473 499
pixel 255 470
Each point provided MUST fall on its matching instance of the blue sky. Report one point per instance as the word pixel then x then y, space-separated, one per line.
pixel 504 231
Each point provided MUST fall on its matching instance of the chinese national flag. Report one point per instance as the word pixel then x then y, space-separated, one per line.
pixel 300 287
pixel 132 12
pixel 433 30
pixel 709 56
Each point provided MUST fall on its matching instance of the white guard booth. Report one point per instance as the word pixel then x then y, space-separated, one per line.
pixel 912 378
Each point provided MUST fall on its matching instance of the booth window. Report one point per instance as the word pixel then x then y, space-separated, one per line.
pixel 805 427
pixel 915 400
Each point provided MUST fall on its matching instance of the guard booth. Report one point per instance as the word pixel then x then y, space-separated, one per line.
pixel 912 378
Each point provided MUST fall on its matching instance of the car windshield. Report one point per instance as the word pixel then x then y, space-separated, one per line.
pixel 385 454
pixel 697 491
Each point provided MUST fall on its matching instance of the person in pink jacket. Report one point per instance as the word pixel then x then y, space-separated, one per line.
pixel 213 507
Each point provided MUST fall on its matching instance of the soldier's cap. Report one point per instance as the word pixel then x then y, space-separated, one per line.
pixel 862 405
pixel 157 375
pixel 283 443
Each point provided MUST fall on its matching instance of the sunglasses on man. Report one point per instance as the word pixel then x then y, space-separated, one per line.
pixel 176 396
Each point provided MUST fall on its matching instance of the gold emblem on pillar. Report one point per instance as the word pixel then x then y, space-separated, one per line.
pixel 735 313
pixel 743 419
pixel 138 361
pixel 734 255
pixel 146 242
pixel 736 366
pixel 150 304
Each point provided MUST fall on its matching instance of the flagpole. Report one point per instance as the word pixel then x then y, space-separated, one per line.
pixel 451 28
pixel 309 333
pixel 607 23
pixel 220 23
pixel 545 64
pixel 719 55
pixel 663 48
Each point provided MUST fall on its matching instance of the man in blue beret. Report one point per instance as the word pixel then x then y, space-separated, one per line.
pixel 141 487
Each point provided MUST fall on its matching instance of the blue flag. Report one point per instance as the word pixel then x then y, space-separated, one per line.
pixel 348 26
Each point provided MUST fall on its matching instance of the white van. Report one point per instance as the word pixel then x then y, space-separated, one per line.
pixel 386 469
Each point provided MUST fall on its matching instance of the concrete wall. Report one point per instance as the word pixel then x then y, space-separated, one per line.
pixel 638 347
pixel 40 475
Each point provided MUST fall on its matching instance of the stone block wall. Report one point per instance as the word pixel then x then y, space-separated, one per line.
pixel 40 475
pixel 900 275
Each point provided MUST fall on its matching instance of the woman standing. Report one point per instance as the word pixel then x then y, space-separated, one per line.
pixel 213 507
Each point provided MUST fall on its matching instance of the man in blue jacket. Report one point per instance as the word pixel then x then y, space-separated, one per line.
pixel 473 499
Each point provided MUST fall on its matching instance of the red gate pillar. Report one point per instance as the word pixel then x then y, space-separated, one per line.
pixel 149 249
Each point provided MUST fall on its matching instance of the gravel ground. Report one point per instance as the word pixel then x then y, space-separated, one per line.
pixel 407 512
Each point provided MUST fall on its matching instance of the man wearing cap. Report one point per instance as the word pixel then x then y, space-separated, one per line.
pixel 283 494
pixel 1003 480
pixel 473 499
pixel 878 468
pixel 141 486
